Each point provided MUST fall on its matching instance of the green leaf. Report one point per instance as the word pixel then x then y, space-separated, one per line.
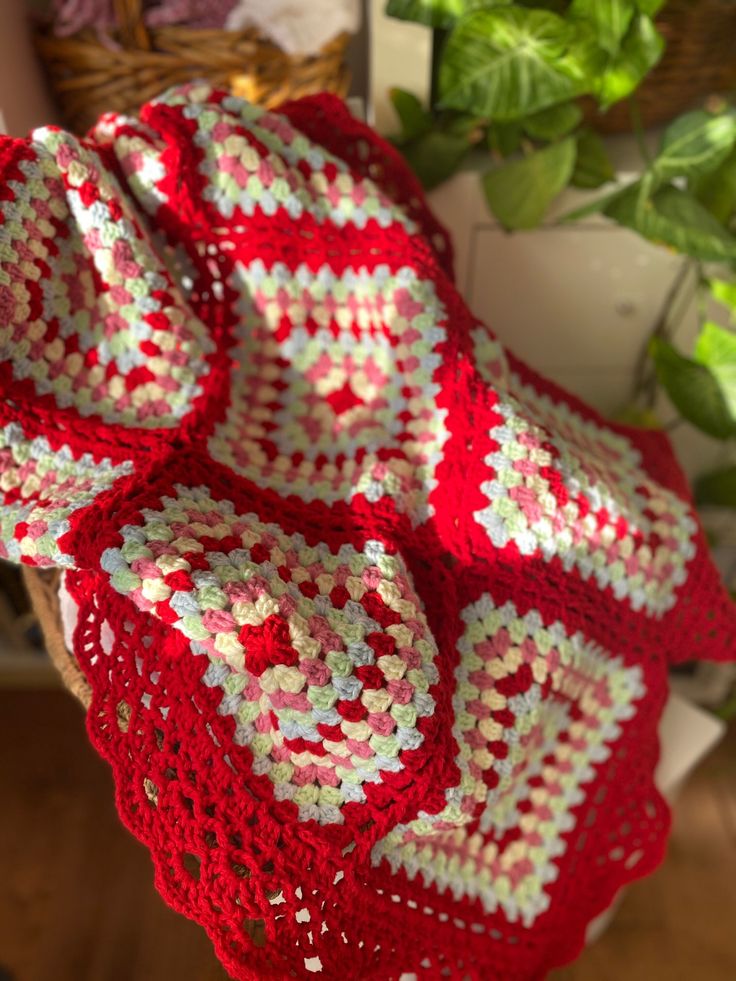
pixel 592 166
pixel 693 390
pixel 696 143
pixel 610 18
pixel 552 123
pixel 520 192
pixel 716 190
pixel 724 292
pixel 462 124
pixel 433 13
pixel 718 488
pixel 715 345
pixel 715 348
pixel 640 51
pixel 650 7
pixel 414 118
pixel 591 208
pixel 674 218
pixel 635 415
pixel 505 138
pixel 508 63
pixel 435 156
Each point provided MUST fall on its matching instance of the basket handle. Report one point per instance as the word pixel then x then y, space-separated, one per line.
pixel 130 25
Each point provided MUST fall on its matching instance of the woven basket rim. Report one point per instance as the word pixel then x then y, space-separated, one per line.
pixel 89 39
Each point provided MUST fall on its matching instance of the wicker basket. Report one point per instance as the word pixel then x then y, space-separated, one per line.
pixel 43 590
pixel 700 59
pixel 89 78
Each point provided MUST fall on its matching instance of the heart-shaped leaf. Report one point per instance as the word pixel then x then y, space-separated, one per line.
pixel 505 138
pixel 435 156
pixel 592 166
pixel 506 63
pixel 433 13
pixel 650 7
pixel 693 390
pixel 715 345
pixel 725 292
pixel 716 349
pixel 520 192
pixel 696 143
pixel 674 218
pixel 610 19
pixel 414 118
pixel 552 123
pixel 640 51
pixel 716 190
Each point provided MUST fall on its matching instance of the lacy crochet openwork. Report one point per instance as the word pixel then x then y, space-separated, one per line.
pixel 377 621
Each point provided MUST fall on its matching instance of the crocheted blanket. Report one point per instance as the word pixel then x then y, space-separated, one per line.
pixel 377 621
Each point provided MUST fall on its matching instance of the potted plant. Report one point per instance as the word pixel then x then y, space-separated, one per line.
pixel 524 86
pixel 522 90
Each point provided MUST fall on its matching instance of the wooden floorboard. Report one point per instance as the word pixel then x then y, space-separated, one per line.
pixel 680 923
pixel 77 901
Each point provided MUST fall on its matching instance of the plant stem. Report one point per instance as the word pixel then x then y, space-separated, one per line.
pixel 645 379
pixel 438 41
pixel 638 128
pixel 695 291
pixel 702 298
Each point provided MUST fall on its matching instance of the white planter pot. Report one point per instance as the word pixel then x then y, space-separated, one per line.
pixel 576 301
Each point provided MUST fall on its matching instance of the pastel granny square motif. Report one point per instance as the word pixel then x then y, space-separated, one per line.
pixel 536 710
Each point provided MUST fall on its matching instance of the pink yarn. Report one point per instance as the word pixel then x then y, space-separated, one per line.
pixel 189 13
pixel 72 16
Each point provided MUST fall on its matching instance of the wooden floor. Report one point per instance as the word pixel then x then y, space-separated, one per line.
pixel 77 902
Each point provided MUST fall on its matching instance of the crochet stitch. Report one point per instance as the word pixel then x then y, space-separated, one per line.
pixel 377 621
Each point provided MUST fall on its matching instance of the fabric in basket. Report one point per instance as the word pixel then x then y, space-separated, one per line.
pixel 376 620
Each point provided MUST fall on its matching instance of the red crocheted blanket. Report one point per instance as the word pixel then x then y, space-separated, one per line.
pixel 376 620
